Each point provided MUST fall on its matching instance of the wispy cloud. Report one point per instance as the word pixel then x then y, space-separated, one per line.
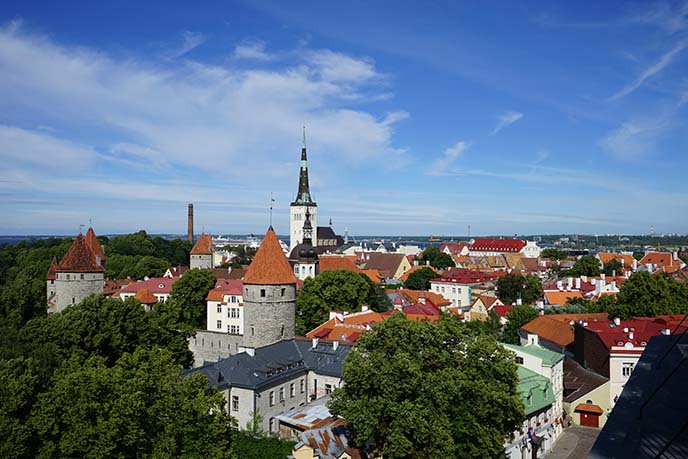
pixel 190 41
pixel 670 16
pixel 252 50
pixel 651 71
pixel 507 119
pixel 635 138
pixel 442 165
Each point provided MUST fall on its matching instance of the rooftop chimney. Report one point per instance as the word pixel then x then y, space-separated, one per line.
pixel 578 283
pixel 630 335
pixel 190 233
pixel 533 339
pixel 617 321
pixel 666 332
pixel 315 342
pixel 335 345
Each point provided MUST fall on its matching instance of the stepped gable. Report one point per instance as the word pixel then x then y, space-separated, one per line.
pixel 52 271
pixel 93 243
pixel 79 258
pixel 204 245
pixel 270 266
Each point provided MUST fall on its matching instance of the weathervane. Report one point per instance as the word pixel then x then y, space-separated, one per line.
pixel 272 199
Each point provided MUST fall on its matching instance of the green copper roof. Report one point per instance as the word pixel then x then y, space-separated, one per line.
pixel 548 357
pixel 534 389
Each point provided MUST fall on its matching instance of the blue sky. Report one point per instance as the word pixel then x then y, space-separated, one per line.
pixel 422 117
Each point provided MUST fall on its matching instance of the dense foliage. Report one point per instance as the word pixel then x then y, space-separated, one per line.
pixel 587 265
pixel 248 446
pixel 102 378
pixel 422 390
pixel 553 254
pixel 516 318
pixel 512 287
pixel 420 279
pixel 436 258
pixel 336 290
pixel 138 255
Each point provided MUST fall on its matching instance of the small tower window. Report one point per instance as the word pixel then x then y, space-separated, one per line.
pixel 282 332
pixel 82 277
pixel 252 330
pixel 283 291
pixel 262 293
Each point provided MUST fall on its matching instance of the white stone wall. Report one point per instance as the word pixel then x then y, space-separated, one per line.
pixel 209 346
pixel 318 384
pixel 617 379
pixel 201 261
pixel 246 407
pixel 279 405
pixel 72 288
pixel 459 295
pixel 230 316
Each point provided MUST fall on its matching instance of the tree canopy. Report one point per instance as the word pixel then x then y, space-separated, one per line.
pixel 515 319
pixel 138 255
pixel 436 258
pixel 336 290
pixel 553 254
pixel 187 301
pixel 422 390
pixel 420 279
pixel 613 268
pixel 511 287
pixel 587 265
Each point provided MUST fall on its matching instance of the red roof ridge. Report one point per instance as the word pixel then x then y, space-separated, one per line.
pixel 93 243
pixel 79 258
pixel 52 271
pixel 270 266
pixel 203 246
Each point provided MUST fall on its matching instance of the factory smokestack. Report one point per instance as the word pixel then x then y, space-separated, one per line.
pixel 190 235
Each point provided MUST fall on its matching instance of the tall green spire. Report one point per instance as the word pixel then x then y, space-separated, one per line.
pixel 303 195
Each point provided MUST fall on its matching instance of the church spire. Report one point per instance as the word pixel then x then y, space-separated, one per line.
pixel 303 195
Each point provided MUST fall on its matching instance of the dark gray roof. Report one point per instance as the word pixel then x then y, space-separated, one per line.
pixel 578 381
pixel 275 364
pixel 649 419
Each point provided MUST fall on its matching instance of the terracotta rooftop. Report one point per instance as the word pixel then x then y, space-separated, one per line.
pixel 145 296
pixel 154 285
pixel 225 287
pixel 336 262
pixel 464 276
pixel 204 245
pixel 560 297
pixel 93 243
pixel 270 265
pixel 641 329
pixel 79 258
pixel 414 296
pixel 661 259
pixel 558 328
pixel 497 245
pixel 625 260
pixel 53 269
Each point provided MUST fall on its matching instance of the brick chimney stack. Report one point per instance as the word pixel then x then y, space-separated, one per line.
pixel 190 235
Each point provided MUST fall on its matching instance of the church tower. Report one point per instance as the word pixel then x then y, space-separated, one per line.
pixel 303 257
pixel 301 204
pixel 269 296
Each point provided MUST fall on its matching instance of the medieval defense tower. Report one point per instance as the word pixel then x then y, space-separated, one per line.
pixel 269 296
pixel 302 204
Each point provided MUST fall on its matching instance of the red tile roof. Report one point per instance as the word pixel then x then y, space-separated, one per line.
pixel 52 270
pixel 225 287
pixel 154 285
pixel 93 243
pixel 336 262
pixel 270 266
pixel 502 309
pixel 643 328
pixel 625 260
pixel 661 259
pixel 204 245
pixel 79 258
pixel 415 296
pixel 497 245
pixel 454 247
pixel 465 277
pixel 145 296
pixel 560 297
pixel 558 328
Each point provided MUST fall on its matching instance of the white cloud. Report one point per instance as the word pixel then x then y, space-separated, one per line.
pixel 649 72
pixel 441 165
pixel 199 115
pixel 507 119
pixel 190 41
pixel 635 138
pixel 252 50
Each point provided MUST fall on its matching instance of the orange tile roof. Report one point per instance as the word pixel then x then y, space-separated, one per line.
pixel 79 258
pixel 53 269
pixel 557 328
pixel 335 262
pixel 145 296
pixel 588 408
pixel 270 265
pixel 625 260
pixel 661 259
pixel 204 245
pixel 413 296
pixel 560 296
pixel 93 243
pixel 373 274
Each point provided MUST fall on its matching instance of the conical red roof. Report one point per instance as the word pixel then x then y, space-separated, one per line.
pixel 93 243
pixel 204 245
pixel 79 258
pixel 145 296
pixel 270 265
pixel 53 269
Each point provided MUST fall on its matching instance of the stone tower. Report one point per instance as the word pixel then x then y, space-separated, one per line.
pixel 50 283
pixel 269 296
pixel 202 253
pixel 303 257
pixel 301 204
pixel 79 274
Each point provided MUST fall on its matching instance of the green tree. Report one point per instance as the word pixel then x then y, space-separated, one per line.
pixel 429 254
pixel 511 287
pixel 587 265
pixel 647 295
pixel 137 408
pixel 422 390
pixel 515 319
pixel 442 261
pixel 553 254
pixel 377 300
pixel 188 297
pixel 248 446
pixel 134 266
pixel 336 290
pixel 613 267
pixel 420 279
